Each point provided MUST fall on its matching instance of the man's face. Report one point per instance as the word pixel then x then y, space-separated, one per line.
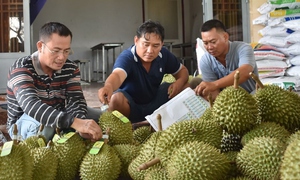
pixel 54 53
pixel 215 42
pixel 148 46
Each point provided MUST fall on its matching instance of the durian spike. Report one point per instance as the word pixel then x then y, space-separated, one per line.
pixel 158 117
pixel 236 79
pixel 148 164
pixel 256 79
pixel 15 134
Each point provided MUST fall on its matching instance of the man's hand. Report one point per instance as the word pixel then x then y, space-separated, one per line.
pixel 205 88
pixel 174 89
pixel 104 94
pixel 87 128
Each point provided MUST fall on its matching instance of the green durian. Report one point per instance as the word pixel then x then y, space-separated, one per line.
pixel 278 105
pixel 235 110
pixel 147 153
pixel 141 134
pixel 104 165
pixel 69 154
pixel 156 174
pixel 45 163
pixel 18 164
pixel 261 157
pixel 267 129
pixel 197 160
pixel 119 132
pixel 186 131
pixel 290 166
pixel 126 153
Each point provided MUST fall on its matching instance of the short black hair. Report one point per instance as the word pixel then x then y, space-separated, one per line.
pixel 150 26
pixel 213 23
pixel 54 27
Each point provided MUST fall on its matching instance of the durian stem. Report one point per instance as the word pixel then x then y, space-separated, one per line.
pixel 148 164
pixel 236 79
pixel 15 134
pixel 256 79
pixel 291 88
pixel 40 130
pixel 58 131
pixel 159 122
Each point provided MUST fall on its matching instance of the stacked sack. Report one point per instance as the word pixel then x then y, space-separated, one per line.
pixel 281 19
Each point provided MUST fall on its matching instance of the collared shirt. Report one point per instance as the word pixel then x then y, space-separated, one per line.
pixel 141 85
pixel 52 101
pixel 239 53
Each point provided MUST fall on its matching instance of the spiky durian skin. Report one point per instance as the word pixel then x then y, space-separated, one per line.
pixel 126 153
pixel 260 158
pixel 240 178
pixel 105 165
pixel 18 165
pixel 231 142
pixel 69 155
pixel 141 134
pixel 146 154
pixel 33 141
pixel 119 132
pixel 267 129
pixel 157 174
pixel 294 136
pixel 235 110
pixel 185 131
pixel 290 166
pixel 168 78
pixel 198 160
pixel 278 105
pixel 234 171
pixel 45 163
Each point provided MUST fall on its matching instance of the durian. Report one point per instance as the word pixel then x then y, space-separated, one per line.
pixel 235 110
pixel 120 132
pixel 290 166
pixel 278 105
pixel 261 157
pixel 126 153
pixel 45 162
pixel 15 160
pixel 197 160
pixel 69 149
pixel 103 163
pixel 267 129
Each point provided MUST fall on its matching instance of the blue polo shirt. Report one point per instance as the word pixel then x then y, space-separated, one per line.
pixel 141 85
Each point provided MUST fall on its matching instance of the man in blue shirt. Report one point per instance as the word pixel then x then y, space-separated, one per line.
pixel 222 59
pixel 134 87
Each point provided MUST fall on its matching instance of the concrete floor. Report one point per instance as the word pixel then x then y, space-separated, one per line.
pixel 90 91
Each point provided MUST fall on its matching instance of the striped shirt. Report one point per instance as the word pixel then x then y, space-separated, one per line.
pixel 52 101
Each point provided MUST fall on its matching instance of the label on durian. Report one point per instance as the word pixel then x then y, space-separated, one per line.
pixel 96 147
pixel 55 138
pixel 65 137
pixel 120 116
pixel 6 150
pixel 41 142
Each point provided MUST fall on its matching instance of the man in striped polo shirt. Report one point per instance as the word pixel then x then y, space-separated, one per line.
pixel 44 88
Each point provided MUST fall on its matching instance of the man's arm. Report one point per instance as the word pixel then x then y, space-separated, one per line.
pixel 229 79
pixel 112 83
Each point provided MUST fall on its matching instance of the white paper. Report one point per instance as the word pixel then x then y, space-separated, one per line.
pixel 185 106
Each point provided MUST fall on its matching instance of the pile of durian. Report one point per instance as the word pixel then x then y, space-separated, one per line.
pixel 240 137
